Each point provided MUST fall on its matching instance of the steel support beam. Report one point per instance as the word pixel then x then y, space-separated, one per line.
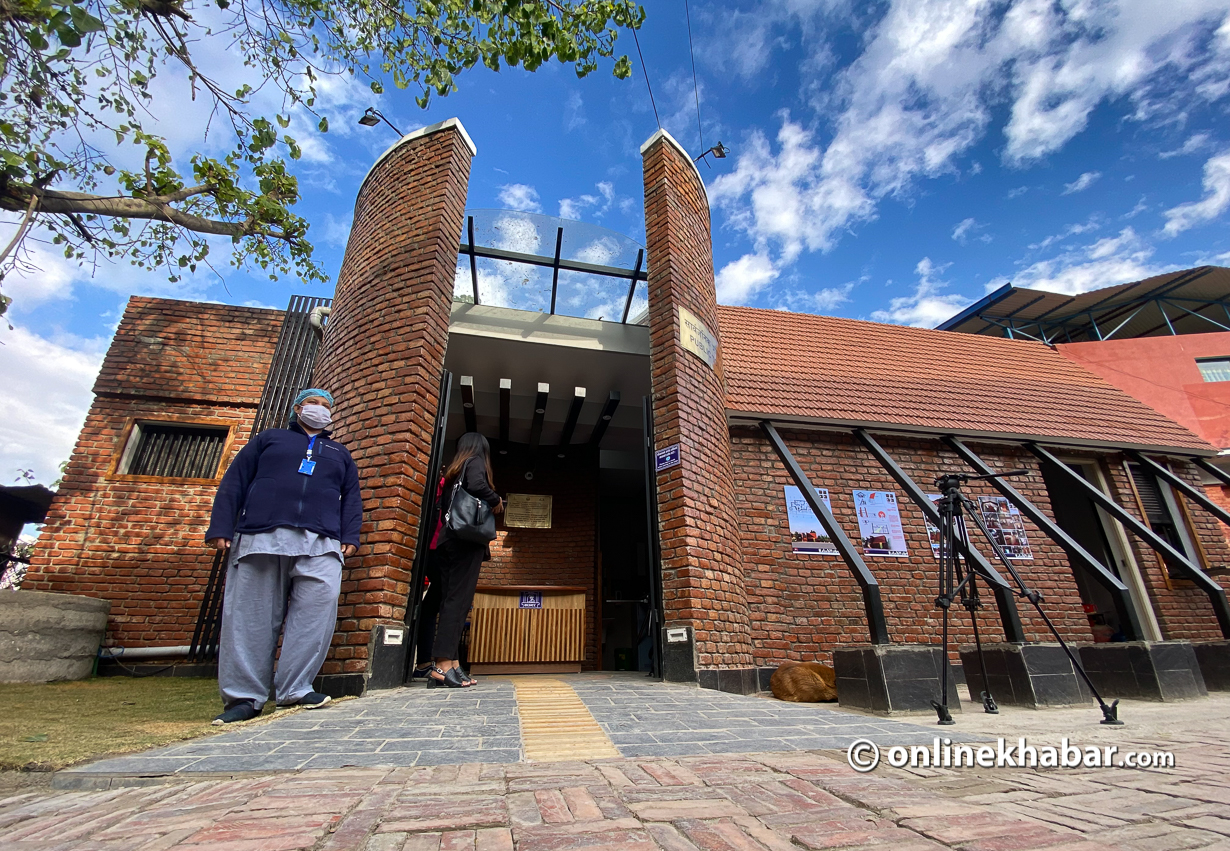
pixel 640 258
pixel 467 402
pixel 1213 470
pixel 1004 601
pixel 604 419
pixel 1217 594
pixel 559 243
pixel 1129 620
pixel 570 424
pixel 873 605
pixel 473 257
pixel 1194 494
pixel 540 414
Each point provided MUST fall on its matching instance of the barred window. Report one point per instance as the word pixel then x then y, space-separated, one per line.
pixel 1214 369
pixel 174 451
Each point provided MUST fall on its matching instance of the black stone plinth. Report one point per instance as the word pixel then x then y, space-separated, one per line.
pixel 1030 675
pixel 892 678
pixel 1214 660
pixel 678 657
pixel 733 680
pixel 387 658
pixel 1145 670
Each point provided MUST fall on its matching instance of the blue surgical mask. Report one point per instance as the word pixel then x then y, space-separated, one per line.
pixel 315 416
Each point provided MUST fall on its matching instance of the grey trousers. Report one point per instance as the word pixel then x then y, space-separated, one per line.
pixel 295 596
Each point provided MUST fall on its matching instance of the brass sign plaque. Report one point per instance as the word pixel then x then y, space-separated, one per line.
pixel 528 511
pixel 696 338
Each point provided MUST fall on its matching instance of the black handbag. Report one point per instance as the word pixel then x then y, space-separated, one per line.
pixel 468 517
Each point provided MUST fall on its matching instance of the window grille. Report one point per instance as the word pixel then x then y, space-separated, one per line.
pixel 1157 512
pixel 174 451
pixel 1214 369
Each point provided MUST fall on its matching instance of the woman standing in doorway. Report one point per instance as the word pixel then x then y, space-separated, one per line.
pixel 458 562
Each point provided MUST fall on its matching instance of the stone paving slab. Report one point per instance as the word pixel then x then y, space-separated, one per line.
pixel 416 726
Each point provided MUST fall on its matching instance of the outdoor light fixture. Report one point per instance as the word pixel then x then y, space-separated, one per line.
pixel 373 117
pixel 719 151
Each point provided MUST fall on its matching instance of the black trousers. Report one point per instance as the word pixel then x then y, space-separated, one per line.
pixel 458 564
pixel 429 611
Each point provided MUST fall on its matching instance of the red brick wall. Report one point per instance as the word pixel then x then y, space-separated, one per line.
pixel 382 358
pixel 702 574
pixel 802 606
pixel 561 555
pixel 139 543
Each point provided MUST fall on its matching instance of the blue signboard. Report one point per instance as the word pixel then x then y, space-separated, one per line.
pixel 666 458
pixel 531 600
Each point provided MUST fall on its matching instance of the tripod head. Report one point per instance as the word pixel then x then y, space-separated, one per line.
pixel 951 482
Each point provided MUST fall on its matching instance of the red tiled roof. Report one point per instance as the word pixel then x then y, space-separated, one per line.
pixel 822 368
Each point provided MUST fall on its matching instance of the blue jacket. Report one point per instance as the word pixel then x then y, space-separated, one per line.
pixel 263 488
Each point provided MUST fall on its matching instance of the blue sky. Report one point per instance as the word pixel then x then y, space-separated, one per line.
pixel 889 161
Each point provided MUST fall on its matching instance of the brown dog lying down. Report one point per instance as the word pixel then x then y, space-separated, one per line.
pixel 804 682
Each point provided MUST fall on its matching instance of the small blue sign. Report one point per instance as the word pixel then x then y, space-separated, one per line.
pixel 666 458
pixel 531 600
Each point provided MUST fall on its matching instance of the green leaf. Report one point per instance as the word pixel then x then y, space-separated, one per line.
pixel 323 125
pixel 377 87
pixel 37 737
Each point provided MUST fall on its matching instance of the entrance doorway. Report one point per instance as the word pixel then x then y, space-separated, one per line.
pixel 627 622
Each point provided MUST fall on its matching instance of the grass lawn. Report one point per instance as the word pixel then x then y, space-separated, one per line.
pixel 47 726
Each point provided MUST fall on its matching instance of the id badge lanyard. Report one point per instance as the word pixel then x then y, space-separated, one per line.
pixel 307 466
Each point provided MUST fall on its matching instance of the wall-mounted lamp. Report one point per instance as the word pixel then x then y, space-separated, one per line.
pixel 373 117
pixel 719 152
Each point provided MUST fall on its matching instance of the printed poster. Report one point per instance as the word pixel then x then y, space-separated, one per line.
pixel 879 524
pixel 806 533
pixel 1006 526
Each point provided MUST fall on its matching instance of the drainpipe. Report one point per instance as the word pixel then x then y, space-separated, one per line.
pixel 120 653
pixel 317 318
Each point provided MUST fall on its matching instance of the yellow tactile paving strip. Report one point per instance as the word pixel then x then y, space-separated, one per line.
pixel 555 724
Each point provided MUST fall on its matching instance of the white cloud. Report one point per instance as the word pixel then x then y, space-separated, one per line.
pixel 335 232
pixel 926 307
pixel 1107 262
pixel 739 281
pixel 1081 183
pixel 1215 201
pixel 520 197
pixel 961 232
pixel 1194 143
pixel 1018 192
pixel 597 205
pixel 923 91
pixel 46 394
pixel 574 111
pixel 1075 229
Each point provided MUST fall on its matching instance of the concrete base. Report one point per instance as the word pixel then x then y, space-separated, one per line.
pixel 733 680
pixel 893 678
pixel 48 637
pixel 1214 660
pixel 1030 675
pixel 1145 670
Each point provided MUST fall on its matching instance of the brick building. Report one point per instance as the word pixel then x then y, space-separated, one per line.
pixel 668 449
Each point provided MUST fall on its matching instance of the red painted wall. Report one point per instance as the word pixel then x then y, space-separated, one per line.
pixel 1162 373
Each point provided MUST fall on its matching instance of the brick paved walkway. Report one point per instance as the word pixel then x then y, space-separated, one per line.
pixel 761 802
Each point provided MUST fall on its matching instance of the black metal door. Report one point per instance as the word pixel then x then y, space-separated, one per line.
pixel 427 519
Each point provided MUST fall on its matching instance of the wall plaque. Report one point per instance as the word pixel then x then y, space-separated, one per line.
pixel 528 511
pixel 696 338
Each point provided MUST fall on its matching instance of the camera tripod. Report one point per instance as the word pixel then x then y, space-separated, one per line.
pixel 958 581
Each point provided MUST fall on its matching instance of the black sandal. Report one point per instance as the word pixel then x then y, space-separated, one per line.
pixel 448 679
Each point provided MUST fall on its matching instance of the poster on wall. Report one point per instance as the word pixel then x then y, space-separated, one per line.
pixel 1006 526
pixel 806 533
pixel 879 524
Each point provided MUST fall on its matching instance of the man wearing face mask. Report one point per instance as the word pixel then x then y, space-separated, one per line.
pixel 288 510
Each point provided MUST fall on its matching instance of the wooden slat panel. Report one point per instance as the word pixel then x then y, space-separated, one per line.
pixel 500 635
pixel 557 635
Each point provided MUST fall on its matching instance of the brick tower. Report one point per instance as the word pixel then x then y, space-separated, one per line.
pixel 702 576
pixel 382 357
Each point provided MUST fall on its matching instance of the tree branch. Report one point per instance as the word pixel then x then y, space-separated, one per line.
pixel 155 207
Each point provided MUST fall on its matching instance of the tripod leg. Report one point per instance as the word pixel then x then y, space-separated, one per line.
pixel 988 703
pixel 944 601
pixel 1110 714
